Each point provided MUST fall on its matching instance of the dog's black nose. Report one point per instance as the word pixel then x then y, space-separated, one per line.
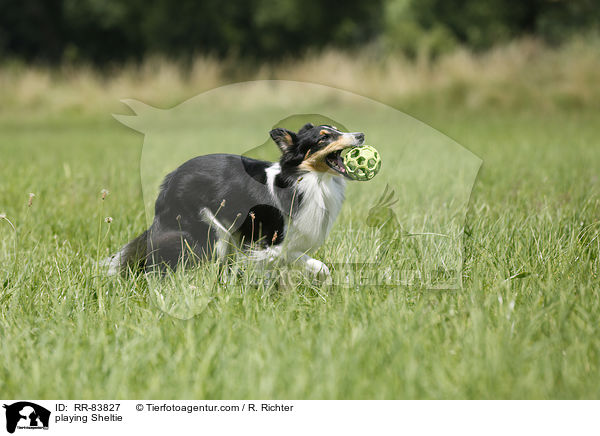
pixel 360 136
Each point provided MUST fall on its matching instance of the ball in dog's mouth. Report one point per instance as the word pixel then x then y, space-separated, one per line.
pixel 361 163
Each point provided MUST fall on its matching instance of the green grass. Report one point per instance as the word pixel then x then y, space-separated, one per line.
pixel 69 332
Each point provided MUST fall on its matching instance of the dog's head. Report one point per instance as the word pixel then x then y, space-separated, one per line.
pixel 315 148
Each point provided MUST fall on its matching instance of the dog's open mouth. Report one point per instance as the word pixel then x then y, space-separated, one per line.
pixel 335 162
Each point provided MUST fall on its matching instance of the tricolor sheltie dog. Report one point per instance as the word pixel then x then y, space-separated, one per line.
pixel 274 212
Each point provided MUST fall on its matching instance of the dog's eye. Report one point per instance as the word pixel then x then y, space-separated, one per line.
pixel 324 137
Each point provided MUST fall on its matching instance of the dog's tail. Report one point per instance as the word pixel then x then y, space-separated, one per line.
pixel 132 256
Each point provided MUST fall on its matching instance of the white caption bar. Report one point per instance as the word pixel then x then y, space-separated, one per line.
pixel 299 417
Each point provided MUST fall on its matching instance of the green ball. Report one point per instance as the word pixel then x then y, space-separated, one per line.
pixel 362 163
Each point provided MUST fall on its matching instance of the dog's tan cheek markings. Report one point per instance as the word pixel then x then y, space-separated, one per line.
pixel 316 161
pixel 314 166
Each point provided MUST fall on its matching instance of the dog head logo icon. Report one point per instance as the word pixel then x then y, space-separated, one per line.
pixel 26 415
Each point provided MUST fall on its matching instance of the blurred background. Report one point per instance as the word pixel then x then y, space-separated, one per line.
pixel 84 55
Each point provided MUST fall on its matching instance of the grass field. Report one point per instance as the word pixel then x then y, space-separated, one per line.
pixel 525 324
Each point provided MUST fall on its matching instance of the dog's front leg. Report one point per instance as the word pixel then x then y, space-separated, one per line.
pixel 272 256
pixel 315 267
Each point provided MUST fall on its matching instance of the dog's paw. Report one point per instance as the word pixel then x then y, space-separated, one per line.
pixel 318 269
pixel 111 264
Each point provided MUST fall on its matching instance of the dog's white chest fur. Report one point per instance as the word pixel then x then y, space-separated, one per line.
pixel 322 198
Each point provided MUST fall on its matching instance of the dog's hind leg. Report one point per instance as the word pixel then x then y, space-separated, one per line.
pixel 171 249
pixel 167 250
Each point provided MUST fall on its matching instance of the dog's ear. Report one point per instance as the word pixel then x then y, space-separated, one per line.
pixel 284 138
pixel 306 127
